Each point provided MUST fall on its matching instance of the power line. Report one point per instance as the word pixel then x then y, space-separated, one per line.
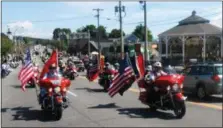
pixel 39 21
pixel 167 21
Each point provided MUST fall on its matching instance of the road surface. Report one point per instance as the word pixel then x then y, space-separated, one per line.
pixel 91 107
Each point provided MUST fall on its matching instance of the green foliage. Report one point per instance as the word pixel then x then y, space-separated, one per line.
pixel 58 31
pixel 26 40
pixel 115 33
pixel 93 30
pixel 7 45
pixel 139 32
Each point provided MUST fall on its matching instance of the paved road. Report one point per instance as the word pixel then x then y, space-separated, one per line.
pixel 91 107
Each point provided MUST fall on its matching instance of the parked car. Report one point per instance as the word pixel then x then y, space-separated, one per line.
pixel 203 80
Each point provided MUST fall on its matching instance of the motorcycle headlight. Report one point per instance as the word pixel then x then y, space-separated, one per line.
pixel 57 89
pixel 175 87
pixel 168 88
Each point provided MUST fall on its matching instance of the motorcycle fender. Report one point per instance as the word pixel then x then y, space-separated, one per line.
pixel 59 100
pixel 180 97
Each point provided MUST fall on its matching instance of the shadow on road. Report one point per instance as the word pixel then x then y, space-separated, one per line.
pixel 210 99
pixel 19 86
pixel 110 105
pixel 27 114
pixel 91 90
pixel 145 113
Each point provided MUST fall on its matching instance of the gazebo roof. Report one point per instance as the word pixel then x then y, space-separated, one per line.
pixel 193 25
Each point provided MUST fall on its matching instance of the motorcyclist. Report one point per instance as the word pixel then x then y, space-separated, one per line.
pixel 117 66
pixel 51 74
pixel 36 67
pixel 62 66
pixel 157 69
pixel 69 60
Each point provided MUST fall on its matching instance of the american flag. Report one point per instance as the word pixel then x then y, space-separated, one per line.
pixel 125 74
pixel 27 71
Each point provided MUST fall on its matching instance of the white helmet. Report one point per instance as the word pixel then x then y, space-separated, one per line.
pixel 157 64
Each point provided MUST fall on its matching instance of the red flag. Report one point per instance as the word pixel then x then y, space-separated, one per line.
pixel 93 73
pixel 140 65
pixel 52 60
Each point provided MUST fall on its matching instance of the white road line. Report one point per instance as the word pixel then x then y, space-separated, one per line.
pixel 71 93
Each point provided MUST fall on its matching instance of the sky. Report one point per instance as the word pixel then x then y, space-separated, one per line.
pixel 39 19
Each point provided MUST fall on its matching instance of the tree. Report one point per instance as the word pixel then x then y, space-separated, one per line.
pixel 56 33
pixel 139 32
pixel 93 30
pixel 115 33
pixel 61 34
pixel 103 33
pixel 26 40
pixel 7 44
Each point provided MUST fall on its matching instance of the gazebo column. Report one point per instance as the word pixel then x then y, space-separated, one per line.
pixel 166 41
pixel 221 47
pixel 183 48
pixel 183 39
pixel 204 48
pixel 160 46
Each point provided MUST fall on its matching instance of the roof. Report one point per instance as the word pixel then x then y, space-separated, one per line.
pixel 193 19
pixel 82 43
pixel 193 25
pixel 130 38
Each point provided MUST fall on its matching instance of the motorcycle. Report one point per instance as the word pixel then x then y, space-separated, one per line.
pixel 105 79
pixel 5 71
pixel 13 64
pixel 55 100
pixel 165 94
pixel 71 73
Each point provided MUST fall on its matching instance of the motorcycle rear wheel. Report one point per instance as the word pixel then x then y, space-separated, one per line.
pixel 180 109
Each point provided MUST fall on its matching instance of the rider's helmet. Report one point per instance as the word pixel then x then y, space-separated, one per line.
pixel 117 65
pixel 157 66
pixel 53 67
pixel 107 64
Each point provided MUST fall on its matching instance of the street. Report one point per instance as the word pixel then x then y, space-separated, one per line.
pixel 91 107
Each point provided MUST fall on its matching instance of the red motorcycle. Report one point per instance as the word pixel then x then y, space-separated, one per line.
pixel 71 73
pixel 55 99
pixel 105 78
pixel 165 93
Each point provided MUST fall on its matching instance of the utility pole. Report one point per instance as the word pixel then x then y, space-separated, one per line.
pixel 89 36
pixel 146 35
pixel 121 9
pixel 145 32
pixel 120 16
pixel 99 46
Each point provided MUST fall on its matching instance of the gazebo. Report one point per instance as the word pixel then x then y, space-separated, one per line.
pixel 194 37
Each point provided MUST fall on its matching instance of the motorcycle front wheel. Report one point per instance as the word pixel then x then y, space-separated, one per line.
pixel 58 113
pixel 180 109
